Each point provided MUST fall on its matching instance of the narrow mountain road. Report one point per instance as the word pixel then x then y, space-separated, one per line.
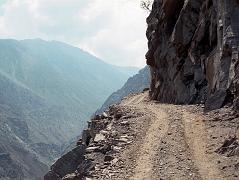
pixel 166 142
pixel 173 145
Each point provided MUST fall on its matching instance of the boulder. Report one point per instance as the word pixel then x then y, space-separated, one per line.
pixel 68 163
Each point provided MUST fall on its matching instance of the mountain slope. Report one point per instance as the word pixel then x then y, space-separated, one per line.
pixel 128 70
pixel 134 84
pixel 19 160
pixel 53 70
pixel 48 91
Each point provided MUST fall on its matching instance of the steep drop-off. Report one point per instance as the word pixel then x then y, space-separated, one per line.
pixel 20 133
pixel 48 91
pixel 193 51
pixel 134 84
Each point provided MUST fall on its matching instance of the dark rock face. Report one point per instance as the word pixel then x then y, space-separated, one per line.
pixel 193 51
pixel 134 84
pixel 66 164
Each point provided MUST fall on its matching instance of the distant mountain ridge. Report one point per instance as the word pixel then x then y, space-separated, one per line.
pixel 134 84
pixel 48 91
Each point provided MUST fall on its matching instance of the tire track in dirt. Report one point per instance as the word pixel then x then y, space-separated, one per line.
pixel 157 129
pixel 170 143
pixel 196 137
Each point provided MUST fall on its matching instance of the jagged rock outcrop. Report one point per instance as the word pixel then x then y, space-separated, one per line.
pixel 193 51
pixel 67 164
pixel 134 84
pixel 97 149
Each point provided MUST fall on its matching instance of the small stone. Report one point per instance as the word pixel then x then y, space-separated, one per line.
pixel 99 137
pixel 108 158
pixel 114 161
pixel 124 123
pixel 124 136
pixel 91 149
pixel 109 127
pixel 129 142
pixel 117 148
pixel 105 115
pixel 104 132
pixel 70 176
pixel 123 139
pixel 87 178
pixel 114 133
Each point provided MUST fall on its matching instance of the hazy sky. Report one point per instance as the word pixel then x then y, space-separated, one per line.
pixel 113 30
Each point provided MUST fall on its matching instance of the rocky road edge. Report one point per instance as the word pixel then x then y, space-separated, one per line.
pixel 112 146
pixel 107 135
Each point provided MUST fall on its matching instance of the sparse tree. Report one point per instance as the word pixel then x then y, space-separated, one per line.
pixel 146 4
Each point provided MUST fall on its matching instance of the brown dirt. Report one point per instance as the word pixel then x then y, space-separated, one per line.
pixel 172 142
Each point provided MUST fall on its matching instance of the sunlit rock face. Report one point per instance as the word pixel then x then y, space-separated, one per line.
pixel 193 51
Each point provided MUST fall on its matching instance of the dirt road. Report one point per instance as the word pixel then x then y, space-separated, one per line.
pixel 170 142
pixel 184 154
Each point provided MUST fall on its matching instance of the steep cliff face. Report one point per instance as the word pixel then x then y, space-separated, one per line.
pixel 193 51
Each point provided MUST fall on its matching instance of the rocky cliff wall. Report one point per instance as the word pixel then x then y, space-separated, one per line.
pixel 193 51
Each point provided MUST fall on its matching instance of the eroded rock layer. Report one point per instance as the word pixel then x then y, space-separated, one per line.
pixel 193 51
